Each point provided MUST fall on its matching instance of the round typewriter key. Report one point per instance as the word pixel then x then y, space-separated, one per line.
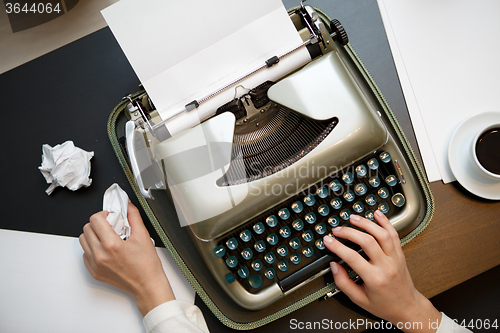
pixel 383 207
pixel 245 236
pixel 272 239
pixel 323 210
pixel 269 273
pixel 255 281
pixel 256 265
pixel 283 265
pixel 347 178
pixel 309 200
pixel 333 221
pixel 320 228
pixel 398 200
pixel 369 215
pixel 307 251
pixel 361 170
pixel 269 257
pixel 358 207
pixel 298 225
pixel 319 244
pixel 295 258
pixel 258 228
pixel 372 164
pixel 307 236
pixel 310 218
pixel 259 246
pixel 345 214
pixel 219 251
pixel 322 192
pixel 385 157
pixel 282 250
pixel 247 253
pixel 285 232
pixel 383 193
pixel 297 207
pixel 335 185
pixel 371 200
pixel 391 180
pixel 232 262
pixel 243 272
pixel 374 181
pixel 360 189
pixel 349 196
pixel 272 221
pixel 294 243
pixel 284 213
pixel 232 243
pixel 336 203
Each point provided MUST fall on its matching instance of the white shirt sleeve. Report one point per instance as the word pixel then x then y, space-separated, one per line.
pixel 175 316
pixel 449 326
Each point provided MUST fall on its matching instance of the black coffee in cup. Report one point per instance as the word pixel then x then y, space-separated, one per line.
pixel 488 150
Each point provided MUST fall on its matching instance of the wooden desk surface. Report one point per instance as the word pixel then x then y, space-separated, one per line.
pixel 461 241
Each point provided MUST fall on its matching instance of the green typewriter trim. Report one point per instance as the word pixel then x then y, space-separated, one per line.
pixel 111 127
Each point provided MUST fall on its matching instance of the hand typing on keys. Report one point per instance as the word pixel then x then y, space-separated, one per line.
pixel 388 291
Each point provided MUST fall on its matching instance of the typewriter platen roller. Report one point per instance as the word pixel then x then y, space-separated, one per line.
pixel 280 167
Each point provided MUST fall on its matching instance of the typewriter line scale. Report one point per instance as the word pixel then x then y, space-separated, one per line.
pixel 268 246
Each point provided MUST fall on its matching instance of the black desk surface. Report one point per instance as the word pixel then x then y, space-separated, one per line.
pixel 69 93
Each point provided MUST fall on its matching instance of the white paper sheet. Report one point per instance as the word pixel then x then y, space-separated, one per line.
pixel 45 288
pixel 446 53
pixel 183 51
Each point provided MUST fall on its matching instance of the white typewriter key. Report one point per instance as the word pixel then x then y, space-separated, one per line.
pixel 260 246
pixel 347 178
pixel 371 200
pixel 307 251
pixel 360 189
pixel 323 210
pixel 336 203
pixel 258 228
pixel 272 239
pixel 319 244
pixel 310 218
pixel 272 221
pixel 297 207
pixel 349 196
pixel 245 236
pixel 232 243
pixel 391 180
pixel 335 185
pixel 398 200
pixel 345 214
pixel 385 157
pixel 285 232
pixel 309 200
pixel 269 273
pixel 307 236
pixel 283 265
pixel 383 193
pixel 219 251
pixel 374 181
pixel 372 164
pixel 295 258
pixel 298 225
pixel 320 228
pixel 383 207
pixel 247 254
pixel 284 214
pixel 294 243
pixel 243 272
pixel 333 221
pixel 369 215
pixel 282 250
pixel 358 207
pixel 256 265
pixel 322 192
pixel 361 170
pixel 269 257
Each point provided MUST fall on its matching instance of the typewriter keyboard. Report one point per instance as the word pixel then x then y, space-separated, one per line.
pixel 285 244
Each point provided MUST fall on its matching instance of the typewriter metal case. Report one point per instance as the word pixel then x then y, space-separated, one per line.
pixel 294 158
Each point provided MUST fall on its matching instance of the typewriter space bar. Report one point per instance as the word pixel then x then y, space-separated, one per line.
pixel 307 272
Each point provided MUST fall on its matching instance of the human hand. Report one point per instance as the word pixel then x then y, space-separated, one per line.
pixel 388 291
pixel 131 265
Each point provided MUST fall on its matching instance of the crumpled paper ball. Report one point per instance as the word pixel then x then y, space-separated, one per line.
pixel 65 165
pixel 115 201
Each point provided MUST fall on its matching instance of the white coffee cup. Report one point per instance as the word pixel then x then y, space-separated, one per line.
pixel 479 167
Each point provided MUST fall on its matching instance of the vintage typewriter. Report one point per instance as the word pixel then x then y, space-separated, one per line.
pixel 282 165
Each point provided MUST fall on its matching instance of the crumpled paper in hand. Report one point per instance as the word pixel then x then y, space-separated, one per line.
pixel 65 165
pixel 115 202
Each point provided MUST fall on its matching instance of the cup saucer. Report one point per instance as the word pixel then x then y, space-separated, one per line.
pixel 460 159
